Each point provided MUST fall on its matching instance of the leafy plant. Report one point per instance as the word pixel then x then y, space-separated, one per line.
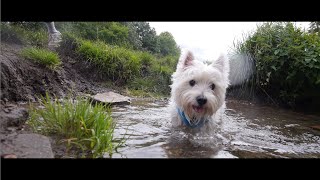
pixel 287 62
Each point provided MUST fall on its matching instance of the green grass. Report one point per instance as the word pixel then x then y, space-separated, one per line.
pixel 78 123
pixel 103 45
pixel 118 63
pixel 42 56
pixel 136 70
pixel 143 94
pixel 25 34
pixel 139 70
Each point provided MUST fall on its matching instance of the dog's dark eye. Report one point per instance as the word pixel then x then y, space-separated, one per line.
pixel 192 83
pixel 212 86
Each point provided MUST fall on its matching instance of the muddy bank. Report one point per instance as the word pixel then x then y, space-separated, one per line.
pixel 23 81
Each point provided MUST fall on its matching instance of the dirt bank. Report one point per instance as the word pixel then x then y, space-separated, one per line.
pixel 23 81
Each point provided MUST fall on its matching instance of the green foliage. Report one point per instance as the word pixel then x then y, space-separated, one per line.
pixel 133 35
pixel 42 56
pixel 139 70
pixel 167 45
pixel 117 63
pixel 157 76
pixel 287 62
pixel 113 33
pixel 133 38
pixel 124 52
pixel 143 37
pixel 78 123
pixel 28 33
pixel 315 27
pixel 32 26
pixel 146 84
pixel 147 36
pixel 143 94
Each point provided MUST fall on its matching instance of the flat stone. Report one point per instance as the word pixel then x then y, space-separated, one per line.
pixel 112 98
pixel 27 146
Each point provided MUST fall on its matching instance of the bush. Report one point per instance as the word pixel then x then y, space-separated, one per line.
pixel 42 56
pixel 287 62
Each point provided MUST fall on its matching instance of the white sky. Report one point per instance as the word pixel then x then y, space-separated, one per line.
pixel 207 40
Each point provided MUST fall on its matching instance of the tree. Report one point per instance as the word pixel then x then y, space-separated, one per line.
pixel 167 44
pixel 110 32
pixel 147 36
pixel 314 27
pixel 133 36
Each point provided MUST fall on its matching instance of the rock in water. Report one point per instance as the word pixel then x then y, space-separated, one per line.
pixel 111 98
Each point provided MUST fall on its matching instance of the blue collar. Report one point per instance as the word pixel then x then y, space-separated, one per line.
pixel 186 121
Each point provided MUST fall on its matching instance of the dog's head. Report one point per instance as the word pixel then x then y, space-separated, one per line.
pixel 197 88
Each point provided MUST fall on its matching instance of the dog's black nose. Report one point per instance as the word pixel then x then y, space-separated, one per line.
pixel 201 100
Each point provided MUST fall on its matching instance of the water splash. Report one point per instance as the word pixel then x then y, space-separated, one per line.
pixel 248 131
pixel 241 68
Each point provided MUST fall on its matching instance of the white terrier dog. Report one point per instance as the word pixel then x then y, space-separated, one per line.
pixel 198 92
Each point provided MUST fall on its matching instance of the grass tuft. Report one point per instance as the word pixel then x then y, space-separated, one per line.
pixel 42 56
pixel 78 123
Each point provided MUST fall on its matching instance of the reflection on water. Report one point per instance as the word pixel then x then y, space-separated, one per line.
pixel 248 131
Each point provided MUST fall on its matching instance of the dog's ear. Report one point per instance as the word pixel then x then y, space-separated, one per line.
pixel 222 64
pixel 185 60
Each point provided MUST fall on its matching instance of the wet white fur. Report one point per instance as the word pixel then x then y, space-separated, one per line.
pixel 184 96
